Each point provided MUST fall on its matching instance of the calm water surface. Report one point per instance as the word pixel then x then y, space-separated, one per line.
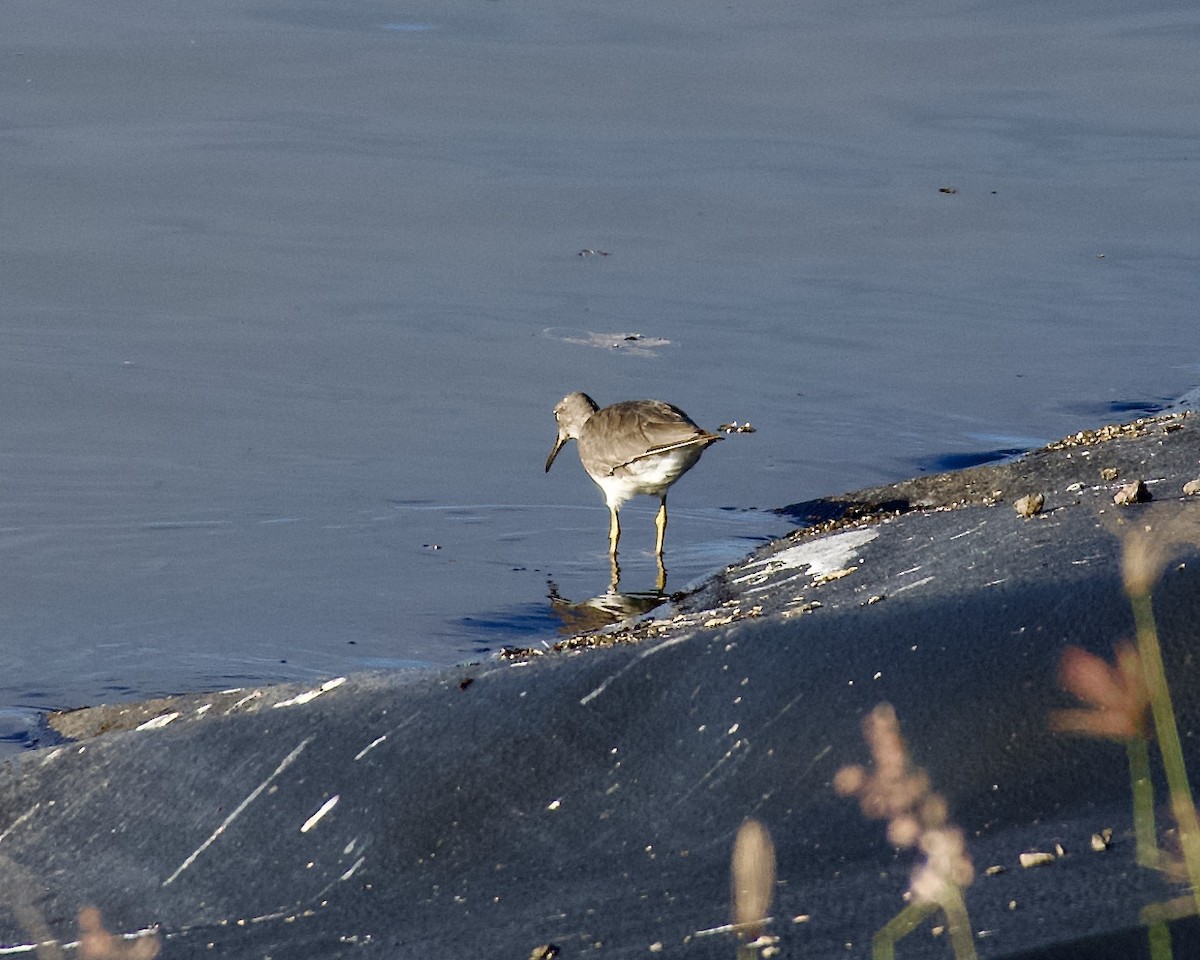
pixel 289 291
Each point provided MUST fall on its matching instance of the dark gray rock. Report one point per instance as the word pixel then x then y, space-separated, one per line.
pixel 588 798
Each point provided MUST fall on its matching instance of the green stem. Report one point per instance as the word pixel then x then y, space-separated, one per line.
pixel 960 924
pixel 899 927
pixel 1160 941
pixel 1169 744
pixel 907 920
pixel 1138 751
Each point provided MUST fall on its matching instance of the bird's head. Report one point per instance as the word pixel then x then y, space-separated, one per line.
pixel 571 413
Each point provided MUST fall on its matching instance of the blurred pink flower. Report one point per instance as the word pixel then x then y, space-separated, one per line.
pixel 900 792
pixel 1116 696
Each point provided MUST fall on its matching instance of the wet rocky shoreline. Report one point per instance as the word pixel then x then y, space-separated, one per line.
pixel 587 797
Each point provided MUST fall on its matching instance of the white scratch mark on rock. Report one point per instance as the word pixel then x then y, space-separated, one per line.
pixel 353 868
pixel 909 586
pixel 776 584
pixel 378 740
pixel 350 871
pixel 309 695
pixel 967 533
pixel 267 917
pixel 632 663
pixel 237 811
pixel 20 820
pixel 245 700
pixel 324 809
pixel 708 775
pixel 157 723
pixel 370 746
pixel 725 928
pixel 788 706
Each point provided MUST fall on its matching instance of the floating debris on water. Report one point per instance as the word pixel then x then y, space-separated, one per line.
pixel 638 344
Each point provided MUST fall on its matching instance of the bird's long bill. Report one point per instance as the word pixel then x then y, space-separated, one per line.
pixel 558 445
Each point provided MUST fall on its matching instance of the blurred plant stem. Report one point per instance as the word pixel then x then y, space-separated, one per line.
pixel 753 877
pixel 1167 733
pixel 1138 751
pixel 907 920
pixel 1160 941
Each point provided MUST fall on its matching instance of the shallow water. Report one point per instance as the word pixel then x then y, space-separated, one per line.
pixel 290 291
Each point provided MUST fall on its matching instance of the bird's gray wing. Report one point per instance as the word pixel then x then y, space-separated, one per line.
pixel 633 429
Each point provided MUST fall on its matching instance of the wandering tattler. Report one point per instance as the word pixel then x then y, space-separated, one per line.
pixel 632 447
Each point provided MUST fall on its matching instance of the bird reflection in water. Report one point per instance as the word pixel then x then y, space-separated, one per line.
pixel 601 611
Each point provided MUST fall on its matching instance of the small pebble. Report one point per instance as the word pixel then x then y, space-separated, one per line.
pixel 1192 487
pixel 1135 492
pixel 1037 859
pixel 1030 504
pixel 1109 474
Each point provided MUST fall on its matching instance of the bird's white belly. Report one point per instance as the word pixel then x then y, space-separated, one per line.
pixel 651 475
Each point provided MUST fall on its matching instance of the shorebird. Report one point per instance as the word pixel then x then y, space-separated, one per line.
pixel 632 447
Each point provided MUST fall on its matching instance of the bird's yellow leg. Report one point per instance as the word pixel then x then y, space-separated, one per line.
pixel 660 524
pixel 614 531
